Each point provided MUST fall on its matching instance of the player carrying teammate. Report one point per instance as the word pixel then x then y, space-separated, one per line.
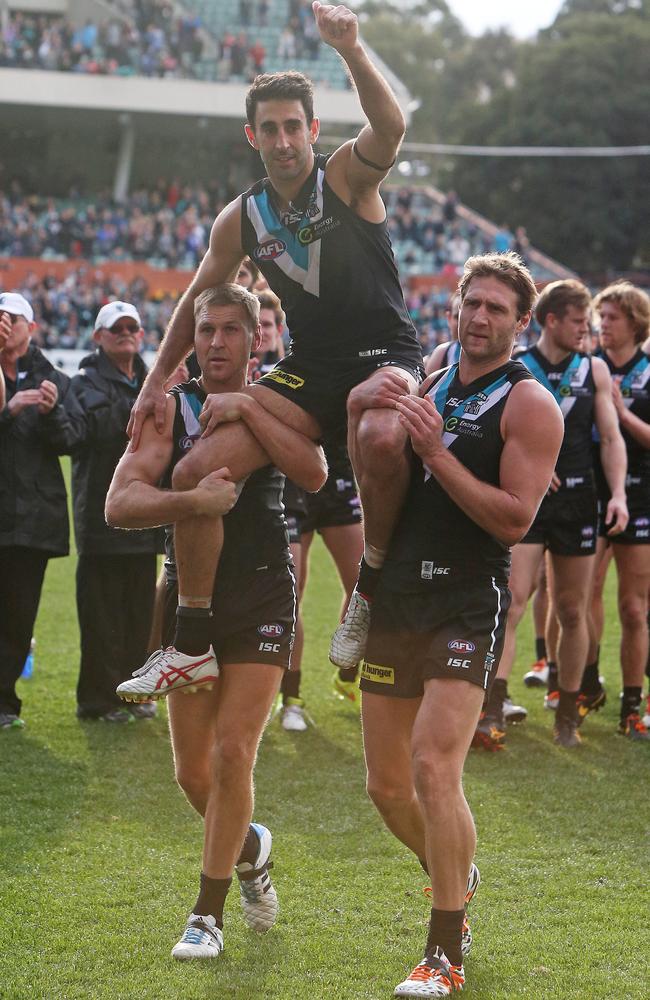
pixel 486 436
pixel 216 731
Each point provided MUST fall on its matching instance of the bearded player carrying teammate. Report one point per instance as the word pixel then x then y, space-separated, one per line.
pixel 486 437
pixel 316 227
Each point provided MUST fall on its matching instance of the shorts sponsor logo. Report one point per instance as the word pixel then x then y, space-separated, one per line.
pixel 572 481
pixel 269 250
pixel 380 675
pixel 587 544
pixel 269 647
pixel 272 629
pixel 429 570
pixel 186 442
pixel 462 646
pixel 457 662
pixel 374 352
pixel 285 378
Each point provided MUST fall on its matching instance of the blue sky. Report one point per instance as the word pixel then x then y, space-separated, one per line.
pixel 522 18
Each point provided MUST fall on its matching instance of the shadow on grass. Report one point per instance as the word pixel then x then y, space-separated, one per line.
pixel 42 794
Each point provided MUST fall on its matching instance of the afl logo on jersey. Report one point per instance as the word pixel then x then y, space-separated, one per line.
pixel 461 645
pixel 269 250
pixel 187 441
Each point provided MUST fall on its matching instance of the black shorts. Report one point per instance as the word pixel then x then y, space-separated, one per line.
pixel 335 505
pixel 254 620
pixel 321 388
pixel 638 504
pixel 454 632
pixel 294 527
pixel 566 523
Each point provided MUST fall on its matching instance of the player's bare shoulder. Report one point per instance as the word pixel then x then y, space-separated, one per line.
pixel 532 412
pixel 227 226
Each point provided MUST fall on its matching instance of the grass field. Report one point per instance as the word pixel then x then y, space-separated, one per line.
pixel 100 853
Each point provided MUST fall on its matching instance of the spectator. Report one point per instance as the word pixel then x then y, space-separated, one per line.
pixel 263 13
pixel 287 44
pixel 35 428
pixel 503 240
pixel 257 53
pixel 116 571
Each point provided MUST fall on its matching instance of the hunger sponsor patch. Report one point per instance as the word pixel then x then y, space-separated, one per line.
pixel 380 675
pixel 285 378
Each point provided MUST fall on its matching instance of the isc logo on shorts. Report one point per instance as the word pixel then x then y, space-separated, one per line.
pixel 380 675
pixel 291 381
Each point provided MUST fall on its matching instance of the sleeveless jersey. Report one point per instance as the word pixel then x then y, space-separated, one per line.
pixel 255 534
pixel 634 382
pixel 452 354
pixel 434 539
pixel 334 272
pixel 572 384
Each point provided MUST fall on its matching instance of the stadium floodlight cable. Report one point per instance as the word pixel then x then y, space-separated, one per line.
pixel 523 151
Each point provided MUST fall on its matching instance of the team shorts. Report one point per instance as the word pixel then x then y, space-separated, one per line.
pixel 294 527
pixel 254 619
pixel 638 504
pixel 566 523
pixel 337 504
pixel 454 632
pixel 321 388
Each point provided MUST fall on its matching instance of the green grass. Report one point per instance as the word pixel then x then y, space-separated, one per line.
pixel 100 853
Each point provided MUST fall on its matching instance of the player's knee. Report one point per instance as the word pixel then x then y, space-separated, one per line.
pixel 434 774
pixel 388 795
pixel 380 441
pixel 570 613
pixel 235 756
pixel 632 611
pixel 186 474
pixel 194 781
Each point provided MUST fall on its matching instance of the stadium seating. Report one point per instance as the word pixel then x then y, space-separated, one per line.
pixel 222 17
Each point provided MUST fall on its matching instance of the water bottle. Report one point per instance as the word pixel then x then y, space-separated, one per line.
pixel 28 669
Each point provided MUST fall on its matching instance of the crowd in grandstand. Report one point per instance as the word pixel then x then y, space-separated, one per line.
pixel 169 226
pixel 151 40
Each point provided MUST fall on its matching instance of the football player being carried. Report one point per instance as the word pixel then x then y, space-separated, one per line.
pixel 316 227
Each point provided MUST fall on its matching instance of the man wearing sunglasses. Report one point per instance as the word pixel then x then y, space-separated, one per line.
pixel 116 569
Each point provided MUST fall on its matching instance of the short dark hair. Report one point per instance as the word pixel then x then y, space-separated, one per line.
pixel 506 267
pixel 558 296
pixel 269 300
pixel 230 295
pixel 289 86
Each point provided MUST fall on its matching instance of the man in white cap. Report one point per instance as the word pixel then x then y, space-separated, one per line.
pixel 35 428
pixel 116 569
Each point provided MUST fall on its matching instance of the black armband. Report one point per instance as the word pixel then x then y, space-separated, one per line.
pixel 369 163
